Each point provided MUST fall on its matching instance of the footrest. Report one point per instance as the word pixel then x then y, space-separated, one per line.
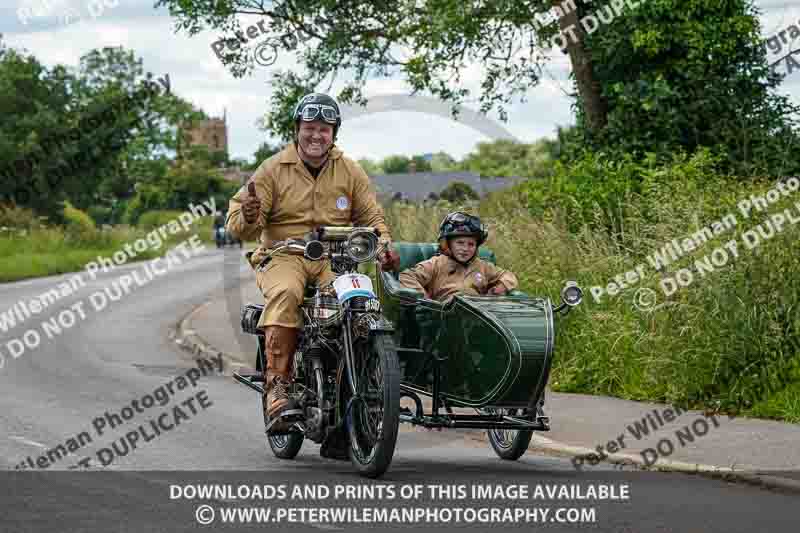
pixel 255 376
pixel 287 420
pixel 245 379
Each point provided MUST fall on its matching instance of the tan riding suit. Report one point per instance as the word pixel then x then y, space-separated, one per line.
pixel 293 203
pixel 441 277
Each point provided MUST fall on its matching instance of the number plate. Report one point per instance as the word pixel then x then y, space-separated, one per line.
pixel 350 285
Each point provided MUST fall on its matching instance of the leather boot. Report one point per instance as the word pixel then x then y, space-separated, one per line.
pixel 280 343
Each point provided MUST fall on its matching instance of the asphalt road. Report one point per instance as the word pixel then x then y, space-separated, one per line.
pixel 208 429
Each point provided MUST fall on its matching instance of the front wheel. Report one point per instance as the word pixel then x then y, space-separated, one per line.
pixel 284 446
pixel 372 416
pixel 509 444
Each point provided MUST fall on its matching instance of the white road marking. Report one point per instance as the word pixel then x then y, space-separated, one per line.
pixel 26 441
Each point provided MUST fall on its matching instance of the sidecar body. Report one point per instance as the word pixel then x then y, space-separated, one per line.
pixel 489 353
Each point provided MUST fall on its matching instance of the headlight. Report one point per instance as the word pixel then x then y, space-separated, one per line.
pixel 571 294
pixel 314 250
pixel 362 246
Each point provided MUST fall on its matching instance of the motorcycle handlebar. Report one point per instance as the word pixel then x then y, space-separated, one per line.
pixel 314 248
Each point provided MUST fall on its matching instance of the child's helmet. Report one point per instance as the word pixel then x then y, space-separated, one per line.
pixel 458 224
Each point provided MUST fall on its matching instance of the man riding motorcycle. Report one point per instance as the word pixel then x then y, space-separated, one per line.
pixel 310 183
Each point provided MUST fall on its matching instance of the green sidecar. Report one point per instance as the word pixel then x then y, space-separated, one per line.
pixel 487 355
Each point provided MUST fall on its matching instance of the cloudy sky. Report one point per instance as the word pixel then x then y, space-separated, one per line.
pixel 61 31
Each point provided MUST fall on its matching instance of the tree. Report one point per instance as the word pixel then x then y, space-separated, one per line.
pixel 61 134
pixel 154 127
pixel 262 153
pixel 420 164
pixel 190 180
pixel 458 191
pixel 395 164
pixel 505 158
pixel 685 74
pixel 88 137
pixel 443 39
pixel 240 162
pixel 649 75
pixel 371 167
pixel 443 162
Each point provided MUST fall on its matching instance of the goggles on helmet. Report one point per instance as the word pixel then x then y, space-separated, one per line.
pixel 310 112
pixel 463 223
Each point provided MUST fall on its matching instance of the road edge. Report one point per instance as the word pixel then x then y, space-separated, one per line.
pixel 191 341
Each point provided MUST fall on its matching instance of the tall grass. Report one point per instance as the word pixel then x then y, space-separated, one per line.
pixel 29 249
pixel 729 340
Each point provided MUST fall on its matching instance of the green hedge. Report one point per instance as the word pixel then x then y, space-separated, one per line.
pixel 730 339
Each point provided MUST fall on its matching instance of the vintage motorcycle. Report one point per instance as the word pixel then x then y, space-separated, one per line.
pixel 346 385
pixel 480 362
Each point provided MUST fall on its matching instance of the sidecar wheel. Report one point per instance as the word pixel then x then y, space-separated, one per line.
pixel 372 420
pixel 509 444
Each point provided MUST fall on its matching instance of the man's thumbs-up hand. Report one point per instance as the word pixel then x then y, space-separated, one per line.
pixel 251 205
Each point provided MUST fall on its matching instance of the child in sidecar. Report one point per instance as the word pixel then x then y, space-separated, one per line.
pixel 457 269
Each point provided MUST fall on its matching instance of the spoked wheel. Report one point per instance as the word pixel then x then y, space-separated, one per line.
pixel 509 444
pixel 373 415
pixel 284 446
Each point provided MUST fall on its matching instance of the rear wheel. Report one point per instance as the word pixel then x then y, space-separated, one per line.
pixel 372 417
pixel 509 444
